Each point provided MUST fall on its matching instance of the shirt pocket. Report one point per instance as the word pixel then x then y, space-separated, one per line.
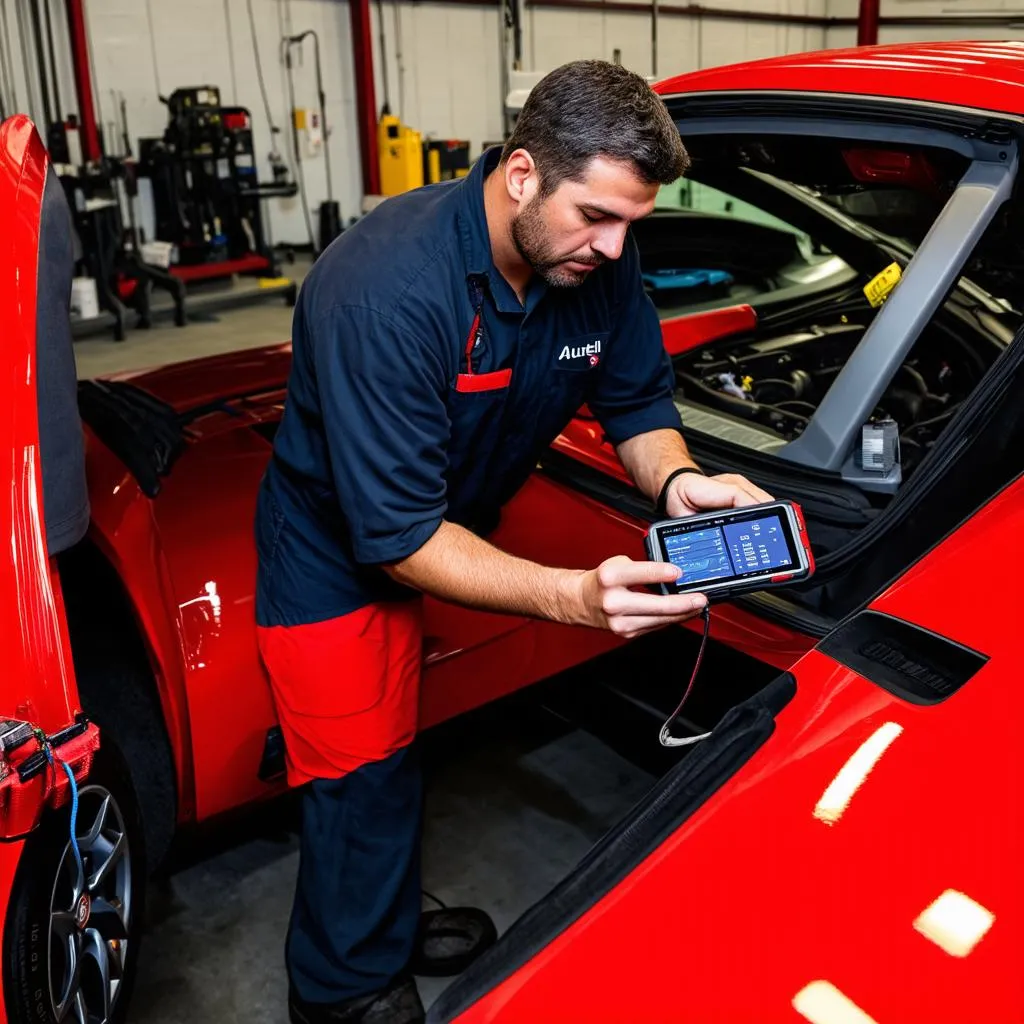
pixel 474 383
pixel 476 411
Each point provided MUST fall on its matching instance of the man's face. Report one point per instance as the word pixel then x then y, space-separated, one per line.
pixel 582 224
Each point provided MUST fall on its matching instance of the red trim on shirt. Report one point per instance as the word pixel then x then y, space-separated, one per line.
pixel 470 382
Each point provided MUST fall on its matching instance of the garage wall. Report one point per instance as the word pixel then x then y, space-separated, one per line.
pixel 444 80
pixel 195 44
pixel 840 37
pixel 685 44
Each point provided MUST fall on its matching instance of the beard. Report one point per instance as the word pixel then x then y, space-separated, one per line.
pixel 530 237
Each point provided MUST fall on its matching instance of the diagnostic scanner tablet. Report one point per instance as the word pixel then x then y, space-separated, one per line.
pixel 735 551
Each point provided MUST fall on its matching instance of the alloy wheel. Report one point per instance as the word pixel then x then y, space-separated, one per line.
pixel 90 914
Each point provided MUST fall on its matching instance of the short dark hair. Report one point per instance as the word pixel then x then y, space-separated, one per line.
pixel 592 108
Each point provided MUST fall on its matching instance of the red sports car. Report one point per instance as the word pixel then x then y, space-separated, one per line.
pixel 841 286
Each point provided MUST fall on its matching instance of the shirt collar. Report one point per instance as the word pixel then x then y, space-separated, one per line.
pixel 476 242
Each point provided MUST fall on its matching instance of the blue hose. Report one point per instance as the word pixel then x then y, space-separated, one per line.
pixel 74 818
pixel 74 809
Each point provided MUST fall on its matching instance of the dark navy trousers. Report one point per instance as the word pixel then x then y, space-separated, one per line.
pixel 357 901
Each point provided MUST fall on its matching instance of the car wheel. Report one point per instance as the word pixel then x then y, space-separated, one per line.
pixel 71 938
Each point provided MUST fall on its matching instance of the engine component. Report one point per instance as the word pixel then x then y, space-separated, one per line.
pixel 776 381
pixel 880 446
pixel 727 381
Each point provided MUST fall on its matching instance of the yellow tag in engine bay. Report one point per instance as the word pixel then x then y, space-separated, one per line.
pixel 878 288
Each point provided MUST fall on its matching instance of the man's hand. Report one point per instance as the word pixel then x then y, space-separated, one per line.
pixel 691 492
pixel 650 458
pixel 609 603
pixel 455 565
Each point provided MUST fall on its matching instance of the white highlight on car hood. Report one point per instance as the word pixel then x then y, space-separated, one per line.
pixel 836 798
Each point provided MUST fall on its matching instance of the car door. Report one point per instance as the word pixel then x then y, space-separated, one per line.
pixel 39 677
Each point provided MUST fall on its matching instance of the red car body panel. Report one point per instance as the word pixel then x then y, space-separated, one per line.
pixel 190 577
pixel 681 333
pixel 245 372
pixel 39 684
pixel 37 654
pixel 122 527
pixel 761 892
pixel 980 74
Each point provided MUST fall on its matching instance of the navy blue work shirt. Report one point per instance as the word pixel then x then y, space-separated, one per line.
pixel 389 428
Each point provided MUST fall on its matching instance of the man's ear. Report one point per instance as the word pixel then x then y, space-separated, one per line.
pixel 521 178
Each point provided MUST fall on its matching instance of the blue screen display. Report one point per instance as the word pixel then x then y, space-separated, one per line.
pixel 735 549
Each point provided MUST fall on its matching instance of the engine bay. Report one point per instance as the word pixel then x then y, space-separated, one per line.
pixel 775 380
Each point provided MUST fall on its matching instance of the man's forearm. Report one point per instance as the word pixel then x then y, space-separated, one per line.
pixel 458 566
pixel 650 457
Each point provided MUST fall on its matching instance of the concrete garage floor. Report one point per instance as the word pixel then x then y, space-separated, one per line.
pixel 513 801
pixel 267 321
pixel 505 821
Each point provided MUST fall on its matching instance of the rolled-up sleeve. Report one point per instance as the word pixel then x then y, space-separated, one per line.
pixel 633 393
pixel 381 387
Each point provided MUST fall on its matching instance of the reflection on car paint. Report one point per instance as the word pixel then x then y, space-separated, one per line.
pixel 955 923
pixel 854 773
pixel 821 1002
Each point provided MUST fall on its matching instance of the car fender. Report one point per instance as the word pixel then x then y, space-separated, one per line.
pixel 124 530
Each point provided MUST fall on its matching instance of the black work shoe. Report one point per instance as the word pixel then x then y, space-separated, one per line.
pixel 399 1003
pixel 449 940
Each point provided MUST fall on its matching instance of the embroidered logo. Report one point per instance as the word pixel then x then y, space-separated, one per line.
pixel 589 354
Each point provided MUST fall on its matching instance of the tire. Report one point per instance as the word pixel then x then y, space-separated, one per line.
pixel 117 689
pixel 41 925
pixel 118 695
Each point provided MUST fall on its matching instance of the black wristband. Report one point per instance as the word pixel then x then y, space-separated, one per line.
pixel 663 497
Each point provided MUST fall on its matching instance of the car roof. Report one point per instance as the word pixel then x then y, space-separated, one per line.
pixel 986 75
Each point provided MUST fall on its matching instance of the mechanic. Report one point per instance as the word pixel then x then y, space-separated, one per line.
pixel 440 345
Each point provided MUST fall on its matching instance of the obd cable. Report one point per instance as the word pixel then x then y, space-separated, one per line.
pixel 665 737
